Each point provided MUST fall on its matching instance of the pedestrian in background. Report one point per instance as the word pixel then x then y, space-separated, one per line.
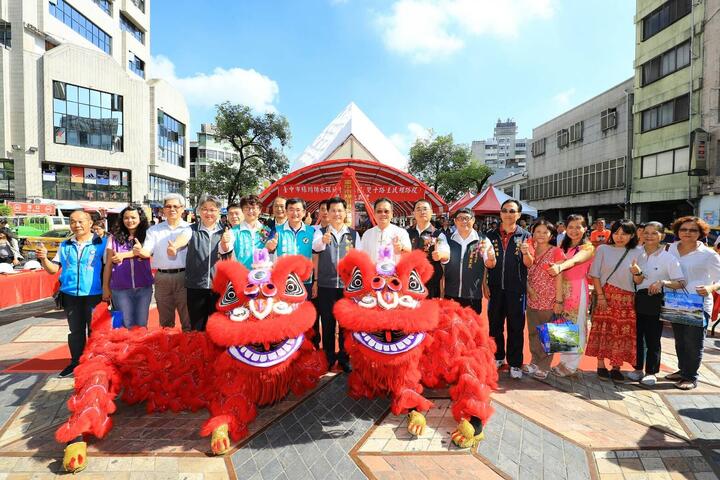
pixel 613 333
pixel 127 276
pixel 654 270
pixel 79 260
pixel 701 269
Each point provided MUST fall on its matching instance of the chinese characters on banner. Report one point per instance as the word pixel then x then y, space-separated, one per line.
pixel 31 208
pixel 312 191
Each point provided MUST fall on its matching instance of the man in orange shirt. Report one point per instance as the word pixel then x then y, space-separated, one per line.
pixel 600 235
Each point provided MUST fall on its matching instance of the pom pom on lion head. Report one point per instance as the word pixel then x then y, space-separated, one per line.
pixel 386 303
pixel 262 314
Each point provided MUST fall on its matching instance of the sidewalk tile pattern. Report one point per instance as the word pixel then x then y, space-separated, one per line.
pixel 699 413
pixel 14 390
pixel 427 466
pixel 313 440
pixel 43 333
pixel 653 464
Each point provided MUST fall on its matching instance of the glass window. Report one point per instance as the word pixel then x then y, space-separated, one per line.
pixel 67 14
pixel 668 63
pixel 171 139
pixel 128 26
pixel 664 163
pixel 105 5
pixel 84 125
pixel 682 160
pixel 649 166
pixel 664 16
pixel 683 55
pixel 5 34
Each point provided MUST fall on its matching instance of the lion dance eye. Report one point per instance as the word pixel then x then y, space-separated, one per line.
pixel 293 287
pixel 268 289
pixel 229 297
pixel 378 283
pixel 356 281
pixel 414 283
pixel 394 284
pixel 252 291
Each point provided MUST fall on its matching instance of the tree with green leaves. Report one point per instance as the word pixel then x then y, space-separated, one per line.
pixel 258 140
pixel 456 183
pixel 5 210
pixel 446 166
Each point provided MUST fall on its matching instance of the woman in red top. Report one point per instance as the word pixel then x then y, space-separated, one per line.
pixel 541 288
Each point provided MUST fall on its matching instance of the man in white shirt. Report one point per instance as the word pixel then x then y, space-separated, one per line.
pixel 385 233
pixel 170 293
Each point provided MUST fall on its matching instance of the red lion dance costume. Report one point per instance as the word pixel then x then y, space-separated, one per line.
pixel 399 342
pixel 253 353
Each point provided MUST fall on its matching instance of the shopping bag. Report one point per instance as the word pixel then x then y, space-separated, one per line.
pixel 559 336
pixel 117 318
pixel 683 307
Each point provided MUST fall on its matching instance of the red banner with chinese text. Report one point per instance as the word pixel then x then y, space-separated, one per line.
pixel 20 208
pixel 313 191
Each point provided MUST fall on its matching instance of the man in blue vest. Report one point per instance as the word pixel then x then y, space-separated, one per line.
pixel 80 261
pixel 507 285
pixel 331 244
pixel 424 236
pixel 251 234
pixel 294 237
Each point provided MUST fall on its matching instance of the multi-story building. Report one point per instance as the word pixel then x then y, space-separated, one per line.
pixel 208 148
pixel 578 160
pixel 79 121
pixel 671 79
pixel 504 150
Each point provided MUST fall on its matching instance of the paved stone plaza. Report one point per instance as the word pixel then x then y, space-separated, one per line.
pixel 580 428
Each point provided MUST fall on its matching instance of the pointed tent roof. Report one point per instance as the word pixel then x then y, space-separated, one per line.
pixel 351 135
pixel 489 200
pixel 461 202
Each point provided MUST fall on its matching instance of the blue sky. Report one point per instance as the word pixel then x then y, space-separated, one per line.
pixel 451 65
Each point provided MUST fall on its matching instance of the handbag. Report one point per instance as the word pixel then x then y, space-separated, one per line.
pixel 58 298
pixel 647 304
pixel 559 336
pixel 684 308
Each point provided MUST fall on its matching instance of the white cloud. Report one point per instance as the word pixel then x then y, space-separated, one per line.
pixel 237 85
pixel 428 29
pixel 563 100
pixel 403 141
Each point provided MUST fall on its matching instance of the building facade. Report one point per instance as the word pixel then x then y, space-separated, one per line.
pixel 207 148
pixel 578 160
pixel 669 84
pixel 504 150
pixel 79 122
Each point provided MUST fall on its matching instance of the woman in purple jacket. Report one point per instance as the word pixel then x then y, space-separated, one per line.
pixel 127 278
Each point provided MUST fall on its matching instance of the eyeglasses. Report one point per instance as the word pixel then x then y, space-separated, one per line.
pixel 689 230
pixel 251 207
pixel 463 219
pixel 506 210
pixel 209 210
pixel 173 207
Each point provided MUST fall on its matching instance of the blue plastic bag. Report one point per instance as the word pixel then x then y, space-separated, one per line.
pixel 560 336
pixel 117 318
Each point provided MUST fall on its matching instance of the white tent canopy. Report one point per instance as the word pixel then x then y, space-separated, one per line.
pixel 351 135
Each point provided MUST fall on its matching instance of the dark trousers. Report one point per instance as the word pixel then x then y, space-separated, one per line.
pixel 326 300
pixel 200 305
pixel 316 325
pixel 507 305
pixel 649 331
pixel 474 303
pixel 79 314
pixel 433 287
pixel 689 344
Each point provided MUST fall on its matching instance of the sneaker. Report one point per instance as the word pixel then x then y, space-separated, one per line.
pixel 635 375
pixel 499 364
pixel 529 369
pixel 515 373
pixel 649 380
pixel 67 371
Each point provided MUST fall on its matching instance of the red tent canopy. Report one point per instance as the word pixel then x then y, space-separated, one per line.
pixel 319 181
pixel 460 203
pixel 488 203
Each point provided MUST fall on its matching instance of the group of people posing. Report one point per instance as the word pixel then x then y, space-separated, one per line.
pixel 530 277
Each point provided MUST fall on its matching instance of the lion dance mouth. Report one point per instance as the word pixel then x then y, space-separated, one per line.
pixel 389 342
pixel 266 355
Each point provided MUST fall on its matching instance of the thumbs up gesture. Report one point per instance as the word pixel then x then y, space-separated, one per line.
pixel 40 251
pixel 327 238
pixel 524 247
pixel 397 246
pixel 171 249
pixel 137 248
pixel 227 236
pixel 635 268
pixel 115 257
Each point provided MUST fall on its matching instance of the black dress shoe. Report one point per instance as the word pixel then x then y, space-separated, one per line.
pixel 617 375
pixel 603 372
pixel 345 367
pixel 67 371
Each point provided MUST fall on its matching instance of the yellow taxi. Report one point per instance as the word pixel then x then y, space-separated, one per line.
pixel 51 240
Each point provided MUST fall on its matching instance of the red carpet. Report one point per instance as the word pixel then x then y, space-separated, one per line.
pixel 58 358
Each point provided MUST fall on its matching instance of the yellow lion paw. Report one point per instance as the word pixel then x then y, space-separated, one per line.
pixel 464 435
pixel 416 423
pixel 75 458
pixel 220 442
